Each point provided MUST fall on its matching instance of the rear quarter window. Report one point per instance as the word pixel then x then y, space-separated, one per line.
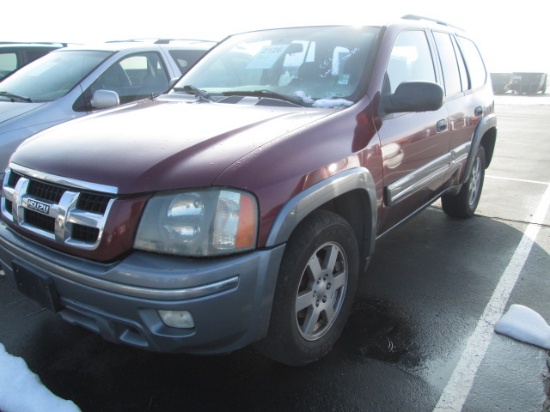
pixel 474 62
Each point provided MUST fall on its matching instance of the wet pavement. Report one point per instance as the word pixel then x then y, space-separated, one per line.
pixel 419 303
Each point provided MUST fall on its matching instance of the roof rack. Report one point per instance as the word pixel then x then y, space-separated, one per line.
pixel 167 41
pixel 46 43
pixel 160 40
pixel 415 17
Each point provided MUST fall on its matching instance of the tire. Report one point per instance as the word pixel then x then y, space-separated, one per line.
pixel 315 290
pixel 464 204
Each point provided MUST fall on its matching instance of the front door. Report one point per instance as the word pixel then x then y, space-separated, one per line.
pixel 415 146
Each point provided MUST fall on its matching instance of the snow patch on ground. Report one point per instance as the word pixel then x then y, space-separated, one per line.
pixel 526 325
pixel 22 391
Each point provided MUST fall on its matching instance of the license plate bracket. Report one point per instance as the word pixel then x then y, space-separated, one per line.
pixel 37 286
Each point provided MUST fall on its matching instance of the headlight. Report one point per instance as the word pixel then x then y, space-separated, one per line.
pixel 199 223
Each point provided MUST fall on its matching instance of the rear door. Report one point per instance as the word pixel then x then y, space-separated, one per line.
pixel 461 83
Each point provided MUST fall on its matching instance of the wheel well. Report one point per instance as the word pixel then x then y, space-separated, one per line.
pixel 355 207
pixel 488 142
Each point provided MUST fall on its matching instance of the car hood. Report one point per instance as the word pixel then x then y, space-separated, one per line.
pixel 159 145
pixel 9 110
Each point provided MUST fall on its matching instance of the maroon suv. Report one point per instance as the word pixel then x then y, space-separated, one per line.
pixel 242 206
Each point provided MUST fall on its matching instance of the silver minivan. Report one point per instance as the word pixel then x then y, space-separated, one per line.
pixel 78 80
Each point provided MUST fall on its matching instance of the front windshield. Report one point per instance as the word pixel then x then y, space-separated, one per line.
pixel 317 66
pixel 53 75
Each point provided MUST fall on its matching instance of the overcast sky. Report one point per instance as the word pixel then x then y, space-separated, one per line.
pixel 511 35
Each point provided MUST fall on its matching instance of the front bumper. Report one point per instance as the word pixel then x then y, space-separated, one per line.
pixel 229 298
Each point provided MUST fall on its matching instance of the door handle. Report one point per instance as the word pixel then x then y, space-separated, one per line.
pixel 441 126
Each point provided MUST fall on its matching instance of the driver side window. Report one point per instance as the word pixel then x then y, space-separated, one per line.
pixel 410 60
pixel 135 77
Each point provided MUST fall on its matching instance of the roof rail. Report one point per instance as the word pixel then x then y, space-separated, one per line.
pixel 415 17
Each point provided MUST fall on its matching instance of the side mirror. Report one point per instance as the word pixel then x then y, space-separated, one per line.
pixel 104 99
pixel 414 97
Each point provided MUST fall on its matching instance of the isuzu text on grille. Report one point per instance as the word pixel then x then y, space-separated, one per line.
pixel 38 206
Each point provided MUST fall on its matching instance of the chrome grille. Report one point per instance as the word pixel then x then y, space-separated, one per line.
pixel 44 191
pixel 12 179
pixel 40 221
pixel 70 212
pixel 93 203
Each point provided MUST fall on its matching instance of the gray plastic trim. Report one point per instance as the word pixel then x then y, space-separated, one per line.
pixel 484 125
pixel 297 208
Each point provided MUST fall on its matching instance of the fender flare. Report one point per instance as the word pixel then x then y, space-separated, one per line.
pixel 487 123
pixel 298 207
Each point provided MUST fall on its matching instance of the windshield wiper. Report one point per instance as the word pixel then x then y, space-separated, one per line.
pixel 268 94
pixel 15 97
pixel 194 91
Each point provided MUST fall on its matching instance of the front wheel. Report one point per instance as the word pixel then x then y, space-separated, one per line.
pixel 464 203
pixel 315 290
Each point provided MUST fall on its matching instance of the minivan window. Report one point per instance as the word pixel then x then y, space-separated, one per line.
pixel 53 75
pixel 36 54
pixel 8 63
pixel 410 60
pixel 135 76
pixel 186 58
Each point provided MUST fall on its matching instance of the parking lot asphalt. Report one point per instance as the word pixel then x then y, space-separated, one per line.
pixel 420 337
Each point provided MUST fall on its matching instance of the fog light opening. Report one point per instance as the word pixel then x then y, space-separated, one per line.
pixel 180 319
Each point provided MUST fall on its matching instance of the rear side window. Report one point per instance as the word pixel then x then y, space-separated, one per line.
pixel 36 54
pixel 475 66
pixel 8 63
pixel 449 63
pixel 186 58
pixel 410 60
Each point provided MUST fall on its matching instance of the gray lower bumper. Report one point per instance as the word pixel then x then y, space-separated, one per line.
pixel 229 298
